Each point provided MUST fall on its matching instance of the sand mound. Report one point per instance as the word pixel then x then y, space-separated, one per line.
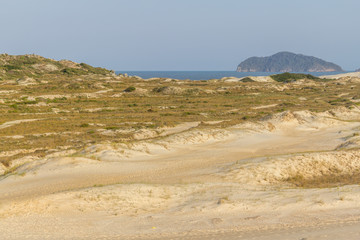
pixel 344 113
pixel 169 90
pixel 231 79
pixel 351 142
pixel 196 137
pixel 260 126
pixel 304 120
pixel 153 147
pixel 296 117
pixel 145 134
pixel 306 166
pixel 262 79
pixel 266 79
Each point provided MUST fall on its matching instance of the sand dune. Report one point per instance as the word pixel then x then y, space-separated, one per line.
pixel 194 183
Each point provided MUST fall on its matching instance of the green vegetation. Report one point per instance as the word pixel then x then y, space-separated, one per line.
pixel 291 77
pixel 130 89
pixel 10 67
pixel 73 71
pixel 85 69
pixel 324 181
pixel 94 70
pixel 159 89
pixel 247 79
pixel 32 65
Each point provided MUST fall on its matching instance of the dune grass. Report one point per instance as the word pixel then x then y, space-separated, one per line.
pixel 325 181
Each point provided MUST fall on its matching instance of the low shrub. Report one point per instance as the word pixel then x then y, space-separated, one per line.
pixel 130 89
pixel 247 79
pixel 292 77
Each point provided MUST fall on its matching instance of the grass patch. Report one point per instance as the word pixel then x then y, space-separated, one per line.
pixel 247 79
pixel 325 181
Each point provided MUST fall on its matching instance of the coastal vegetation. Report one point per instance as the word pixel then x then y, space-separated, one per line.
pixel 291 77
pixel 48 106
pixel 12 67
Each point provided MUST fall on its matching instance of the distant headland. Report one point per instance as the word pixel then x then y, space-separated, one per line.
pixel 287 62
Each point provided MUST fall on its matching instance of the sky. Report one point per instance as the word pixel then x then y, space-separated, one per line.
pixel 176 35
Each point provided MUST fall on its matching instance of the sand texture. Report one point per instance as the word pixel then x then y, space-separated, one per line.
pixel 191 183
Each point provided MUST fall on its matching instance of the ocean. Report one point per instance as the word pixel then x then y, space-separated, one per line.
pixel 204 75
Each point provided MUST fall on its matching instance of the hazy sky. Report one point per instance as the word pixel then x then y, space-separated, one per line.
pixel 180 34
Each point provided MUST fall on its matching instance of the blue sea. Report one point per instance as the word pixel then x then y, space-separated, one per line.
pixel 204 75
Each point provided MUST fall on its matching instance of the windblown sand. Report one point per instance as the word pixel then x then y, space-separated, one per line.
pixel 191 183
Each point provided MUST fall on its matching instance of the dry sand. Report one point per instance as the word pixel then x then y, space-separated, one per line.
pixel 343 75
pixel 194 184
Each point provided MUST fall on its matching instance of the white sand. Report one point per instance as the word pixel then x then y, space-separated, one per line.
pixel 343 75
pixel 194 184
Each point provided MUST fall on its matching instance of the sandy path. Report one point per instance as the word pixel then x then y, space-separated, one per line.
pixel 12 123
pixel 101 226
pixel 338 231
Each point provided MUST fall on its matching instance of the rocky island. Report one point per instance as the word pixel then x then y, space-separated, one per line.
pixel 287 62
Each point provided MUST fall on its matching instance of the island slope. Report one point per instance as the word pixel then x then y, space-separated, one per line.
pixel 287 62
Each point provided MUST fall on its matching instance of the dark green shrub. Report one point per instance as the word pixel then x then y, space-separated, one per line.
pixel 11 67
pixel 94 70
pixel 292 77
pixel 247 79
pixel 159 89
pixel 130 89
pixel 73 71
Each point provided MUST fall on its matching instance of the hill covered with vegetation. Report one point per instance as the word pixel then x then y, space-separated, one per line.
pixel 13 67
pixel 287 62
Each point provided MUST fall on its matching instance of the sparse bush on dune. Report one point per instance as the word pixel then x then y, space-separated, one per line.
pixel 32 65
pixel 9 67
pixel 291 77
pixel 130 89
pixel 73 71
pixel 247 79
pixel 169 90
pixel 94 70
